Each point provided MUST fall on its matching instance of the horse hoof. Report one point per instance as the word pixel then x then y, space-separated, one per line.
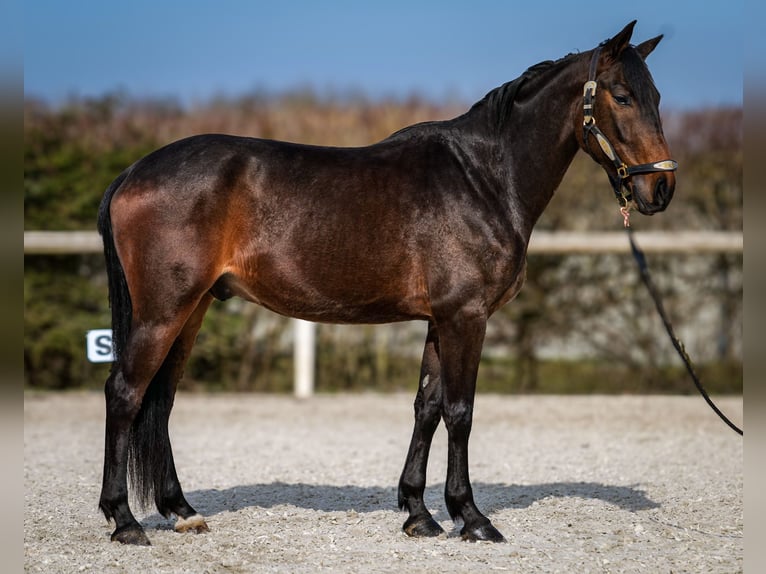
pixel 422 527
pixel 131 534
pixel 485 532
pixel 195 523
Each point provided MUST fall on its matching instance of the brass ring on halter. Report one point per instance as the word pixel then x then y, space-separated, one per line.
pixel 622 171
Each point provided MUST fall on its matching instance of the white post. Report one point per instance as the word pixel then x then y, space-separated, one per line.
pixel 304 357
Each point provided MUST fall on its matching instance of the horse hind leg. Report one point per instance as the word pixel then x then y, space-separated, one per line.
pixel 131 423
pixel 124 391
pixel 412 483
pixel 168 495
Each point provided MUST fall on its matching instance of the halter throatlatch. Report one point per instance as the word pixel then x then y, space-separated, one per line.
pixel 624 171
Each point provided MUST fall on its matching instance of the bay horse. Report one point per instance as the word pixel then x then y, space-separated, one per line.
pixel 431 223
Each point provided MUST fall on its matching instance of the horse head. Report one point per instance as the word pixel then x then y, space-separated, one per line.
pixel 620 125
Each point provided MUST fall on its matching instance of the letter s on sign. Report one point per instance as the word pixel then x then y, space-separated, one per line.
pixel 99 346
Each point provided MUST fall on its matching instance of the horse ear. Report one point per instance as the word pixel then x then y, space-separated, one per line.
pixel 646 48
pixel 614 46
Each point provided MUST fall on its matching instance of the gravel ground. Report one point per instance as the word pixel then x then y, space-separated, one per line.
pixel 576 484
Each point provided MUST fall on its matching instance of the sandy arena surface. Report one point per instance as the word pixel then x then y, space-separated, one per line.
pixel 576 484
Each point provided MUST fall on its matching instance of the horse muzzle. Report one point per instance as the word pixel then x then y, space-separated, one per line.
pixel 652 192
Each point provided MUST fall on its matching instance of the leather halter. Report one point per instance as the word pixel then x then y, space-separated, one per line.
pixel 624 172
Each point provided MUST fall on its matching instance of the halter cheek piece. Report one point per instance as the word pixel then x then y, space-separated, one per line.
pixel 624 172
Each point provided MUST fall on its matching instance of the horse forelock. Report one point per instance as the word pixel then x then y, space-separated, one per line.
pixel 639 80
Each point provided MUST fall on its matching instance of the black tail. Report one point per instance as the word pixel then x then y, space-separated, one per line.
pixel 149 454
pixel 119 297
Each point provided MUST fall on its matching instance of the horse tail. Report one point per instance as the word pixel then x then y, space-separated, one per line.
pixel 148 445
pixel 150 458
pixel 119 296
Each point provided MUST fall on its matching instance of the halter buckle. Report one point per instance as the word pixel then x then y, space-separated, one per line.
pixel 588 93
pixel 622 171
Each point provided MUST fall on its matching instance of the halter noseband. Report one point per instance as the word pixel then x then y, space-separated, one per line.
pixel 589 126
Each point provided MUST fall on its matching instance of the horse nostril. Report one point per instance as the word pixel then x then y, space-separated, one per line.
pixel 662 192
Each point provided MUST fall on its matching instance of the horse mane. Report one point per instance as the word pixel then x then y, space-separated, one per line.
pixel 498 103
pixel 500 100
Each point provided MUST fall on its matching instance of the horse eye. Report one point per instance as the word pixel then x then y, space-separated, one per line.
pixel 622 99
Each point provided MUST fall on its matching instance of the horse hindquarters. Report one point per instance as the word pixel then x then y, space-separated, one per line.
pixel 155 319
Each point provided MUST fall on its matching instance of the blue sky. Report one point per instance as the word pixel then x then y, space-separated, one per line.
pixel 193 50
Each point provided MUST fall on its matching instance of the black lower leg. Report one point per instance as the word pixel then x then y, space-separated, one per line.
pixel 458 495
pixel 114 492
pixel 413 479
pixel 427 415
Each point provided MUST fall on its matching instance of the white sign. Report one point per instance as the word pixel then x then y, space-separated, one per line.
pixel 99 345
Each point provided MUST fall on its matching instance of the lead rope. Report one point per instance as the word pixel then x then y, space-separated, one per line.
pixel 647 279
pixel 624 194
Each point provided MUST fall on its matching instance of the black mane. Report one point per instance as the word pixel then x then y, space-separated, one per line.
pixel 500 100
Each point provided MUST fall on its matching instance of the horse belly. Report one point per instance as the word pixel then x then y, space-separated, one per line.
pixel 329 292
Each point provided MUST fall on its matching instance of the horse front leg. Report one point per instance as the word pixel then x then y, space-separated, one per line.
pixel 427 416
pixel 461 338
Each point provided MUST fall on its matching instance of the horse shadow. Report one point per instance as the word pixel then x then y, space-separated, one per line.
pixel 363 499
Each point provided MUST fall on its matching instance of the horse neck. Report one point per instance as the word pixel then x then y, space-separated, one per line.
pixel 530 148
